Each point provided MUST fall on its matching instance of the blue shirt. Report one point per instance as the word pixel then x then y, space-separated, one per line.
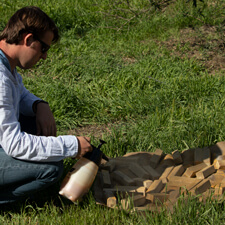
pixel 16 99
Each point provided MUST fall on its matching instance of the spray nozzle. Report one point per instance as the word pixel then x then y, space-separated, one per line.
pixel 101 143
pixel 96 155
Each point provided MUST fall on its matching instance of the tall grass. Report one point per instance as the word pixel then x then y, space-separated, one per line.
pixel 106 70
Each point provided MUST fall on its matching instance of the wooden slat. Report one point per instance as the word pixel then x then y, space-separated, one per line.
pixel 156 158
pixel 177 157
pixel 205 172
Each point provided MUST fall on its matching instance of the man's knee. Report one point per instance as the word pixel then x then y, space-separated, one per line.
pixel 57 170
pixel 53 172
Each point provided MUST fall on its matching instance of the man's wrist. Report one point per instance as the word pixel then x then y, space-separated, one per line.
pixel 34 106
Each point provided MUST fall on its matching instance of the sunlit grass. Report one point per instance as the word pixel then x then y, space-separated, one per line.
pixel 153 99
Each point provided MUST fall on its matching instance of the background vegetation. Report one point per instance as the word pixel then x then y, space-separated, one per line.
pixel 140 74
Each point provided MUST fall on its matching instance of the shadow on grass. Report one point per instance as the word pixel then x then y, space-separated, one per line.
pixel 39 200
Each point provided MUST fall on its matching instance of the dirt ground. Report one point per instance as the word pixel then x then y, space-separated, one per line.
pixel 205 44
pixel 91 130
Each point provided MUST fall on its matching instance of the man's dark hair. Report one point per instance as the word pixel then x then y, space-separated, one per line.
pixel 29 19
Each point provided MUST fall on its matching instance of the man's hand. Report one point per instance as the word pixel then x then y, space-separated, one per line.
pixel 45 121
pixel 84 146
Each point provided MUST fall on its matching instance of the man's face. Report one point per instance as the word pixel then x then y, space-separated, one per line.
pixel 34 49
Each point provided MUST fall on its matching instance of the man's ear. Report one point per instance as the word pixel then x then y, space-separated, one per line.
pixel 28 39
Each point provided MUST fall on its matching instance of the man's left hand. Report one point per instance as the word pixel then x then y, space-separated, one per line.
pixel 45 121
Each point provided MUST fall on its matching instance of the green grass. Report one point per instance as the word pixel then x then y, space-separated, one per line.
pixel 106 70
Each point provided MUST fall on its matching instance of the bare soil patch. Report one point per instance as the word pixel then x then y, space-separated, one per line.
pixel 205 44
pixel 96 131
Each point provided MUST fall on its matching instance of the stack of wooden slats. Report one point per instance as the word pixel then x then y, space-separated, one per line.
pixel 146 181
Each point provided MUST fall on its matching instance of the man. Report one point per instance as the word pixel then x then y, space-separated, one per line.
pixel 31 154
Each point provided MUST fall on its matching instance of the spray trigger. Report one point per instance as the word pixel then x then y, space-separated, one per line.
pixel 96 155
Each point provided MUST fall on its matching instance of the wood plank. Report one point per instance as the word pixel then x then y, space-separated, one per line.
pixel 141 190
pixel 153 174
pixel 122 178
pixel 138 171
pixel 201 187
pixel 110 166
pixel 133 201
pixel 183 181
pixel 173 197
pixel 106 180
pixel 122 189
pixel 157 197
pixel 111 200
pixel 188 156
pixel 166 172
pixel 177 171
pixel 206 195
pixel 220 189
pixel 219 164
pixel 206 155
pixel 99 194
pixel 167 161
pixel 164 180
pixel 177 157
pixel 198 156
pixel 216 179
pixel 127 171
pixel 155 187
pixel 168 189
pixel 139 181
pixel 220 157
pixel 147 183
pixel 205 172
pixel 143 158
pixel 218 148
pixel 192 170
pixel 155 159
pixel 221 172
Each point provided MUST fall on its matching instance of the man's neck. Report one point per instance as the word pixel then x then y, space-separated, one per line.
pixel 10 53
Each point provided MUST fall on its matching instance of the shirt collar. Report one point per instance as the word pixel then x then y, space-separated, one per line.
pixel 4 60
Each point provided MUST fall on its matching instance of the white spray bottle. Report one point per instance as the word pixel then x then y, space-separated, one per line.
pixel 80 178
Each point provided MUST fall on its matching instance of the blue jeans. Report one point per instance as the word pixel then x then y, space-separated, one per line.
pixel 21 179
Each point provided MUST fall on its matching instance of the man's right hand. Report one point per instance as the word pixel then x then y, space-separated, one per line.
pixel 84 146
